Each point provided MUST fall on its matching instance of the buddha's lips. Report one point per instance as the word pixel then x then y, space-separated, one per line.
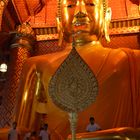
pixel 80 22
pixel 80 26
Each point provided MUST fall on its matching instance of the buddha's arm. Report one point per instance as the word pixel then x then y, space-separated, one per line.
pixel 37 98
pixel 25 94
pixel 40 91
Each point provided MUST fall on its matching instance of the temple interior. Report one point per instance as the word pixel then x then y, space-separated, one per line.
pixel 29 44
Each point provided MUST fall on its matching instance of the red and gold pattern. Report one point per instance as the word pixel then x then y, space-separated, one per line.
pixel 18 57
pixel 48 46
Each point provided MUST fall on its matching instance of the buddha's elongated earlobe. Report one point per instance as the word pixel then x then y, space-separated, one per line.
pixel 60 31
pixel 108 14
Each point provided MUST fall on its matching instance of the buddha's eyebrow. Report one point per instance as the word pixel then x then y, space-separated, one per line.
pixel 71 0
pixel 94 1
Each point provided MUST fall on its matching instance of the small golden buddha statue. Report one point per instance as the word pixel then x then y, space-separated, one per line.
pixel 117 72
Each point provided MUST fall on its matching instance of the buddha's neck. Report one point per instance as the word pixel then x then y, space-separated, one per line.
pixel 90 43
pixel 83 44
pixel 84 39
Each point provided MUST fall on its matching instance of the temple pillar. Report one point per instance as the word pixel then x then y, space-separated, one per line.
pixel 3 4
pixel 2 7
pixel 20 49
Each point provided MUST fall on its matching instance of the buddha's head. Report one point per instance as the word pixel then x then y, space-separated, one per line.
pixel 82 19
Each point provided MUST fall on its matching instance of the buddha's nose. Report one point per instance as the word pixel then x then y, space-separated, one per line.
pixel 80 9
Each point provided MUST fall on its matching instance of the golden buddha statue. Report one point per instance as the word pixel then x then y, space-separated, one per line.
pixel 117 72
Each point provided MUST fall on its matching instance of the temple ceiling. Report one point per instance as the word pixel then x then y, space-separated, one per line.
pixel 42 13
pixel 27 8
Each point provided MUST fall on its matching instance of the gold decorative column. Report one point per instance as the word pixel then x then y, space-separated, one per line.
pixel 20 50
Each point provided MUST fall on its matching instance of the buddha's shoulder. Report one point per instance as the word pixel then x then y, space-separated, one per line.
pixel 50 57
pixel 102 51
pixel 119 53
pixel 126 53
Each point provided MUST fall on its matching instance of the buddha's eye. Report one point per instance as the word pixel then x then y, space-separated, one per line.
pixel 90 4
pixel 70 5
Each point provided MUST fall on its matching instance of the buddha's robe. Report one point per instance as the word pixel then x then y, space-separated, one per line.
pixel 118 100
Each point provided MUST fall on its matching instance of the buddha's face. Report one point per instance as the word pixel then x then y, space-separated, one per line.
pixel 82 19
